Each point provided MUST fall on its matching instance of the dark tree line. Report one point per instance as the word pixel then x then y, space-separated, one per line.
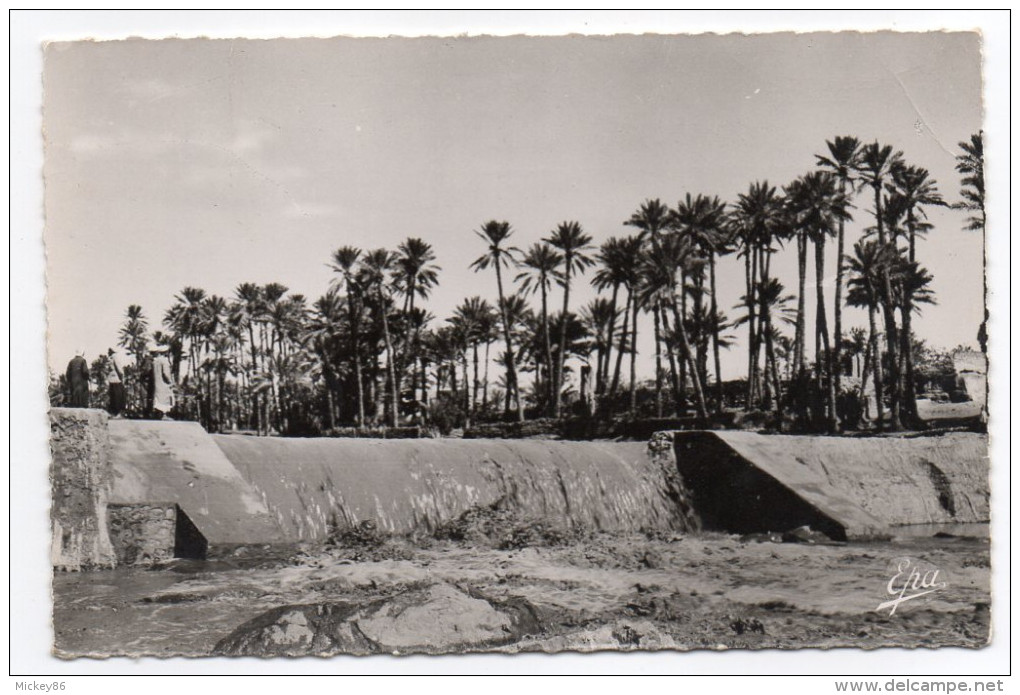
pixel 368 352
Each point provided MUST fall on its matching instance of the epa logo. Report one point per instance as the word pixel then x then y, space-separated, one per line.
pixel 911 579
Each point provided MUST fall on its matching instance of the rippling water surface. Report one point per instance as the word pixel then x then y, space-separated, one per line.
pixel 187 606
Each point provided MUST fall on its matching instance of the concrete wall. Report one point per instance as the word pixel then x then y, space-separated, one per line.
pixel 81 479
pixel 850 486
pixel 241 490
pixel 179 463
pixel 311 485
pixel 250 490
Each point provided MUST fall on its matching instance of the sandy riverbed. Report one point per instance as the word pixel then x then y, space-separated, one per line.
pixel 601 592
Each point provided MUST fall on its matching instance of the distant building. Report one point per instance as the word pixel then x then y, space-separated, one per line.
pixel 971 369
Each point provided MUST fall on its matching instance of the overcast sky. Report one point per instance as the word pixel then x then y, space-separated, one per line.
pixel 212 163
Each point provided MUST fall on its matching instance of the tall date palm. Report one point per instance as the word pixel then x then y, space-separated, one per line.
pixel 877 163
pixel 376 266
pixel 701 219
pixel 573 244
pixel 499 255
pixel 541 266
pixel 671 254
pixel 345 261
pixel 843 161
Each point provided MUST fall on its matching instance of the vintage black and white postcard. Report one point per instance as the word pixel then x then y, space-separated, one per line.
pixel 455 344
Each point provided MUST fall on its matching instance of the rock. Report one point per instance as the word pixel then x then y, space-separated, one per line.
pixel 621 636
pixel 804 534
pixel 770 537
pixel 435 619
pixel 742 625
pixel 627 636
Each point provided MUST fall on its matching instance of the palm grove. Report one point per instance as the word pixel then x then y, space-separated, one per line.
pixel 368 352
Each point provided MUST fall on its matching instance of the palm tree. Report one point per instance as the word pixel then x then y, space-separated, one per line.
pixel 324 331
pixel 133 334
pixel 772 302
pixel 473 317
pixel 792 229
pixel 877 163
pixel 915 190
pixel 599 317
pixel 249 306
pixel 345 260
pixel 868 266
pixel 376 266
pixel 630 250
pixel 488 329
pixel 655 290
pixel 843 161
pixel 757 221
pixel 875 166
pixel 636 304
pixel 289 320
pixel 614 266
pixel 133 337
pixel 446 347
pixel 518 317
pixel 912 284
pixel 495 235
pixel 460 337
pixel 856 346
pixel 184 318
pixel 541 266
pixel 701 219
pixel 417 322
pixel 213 329
pixel 818 207
pixel 273 293
pixel 578 341
pixel 672 253
pixel 652 218
pixel 971 163
pixel 417 275
pixel 573 244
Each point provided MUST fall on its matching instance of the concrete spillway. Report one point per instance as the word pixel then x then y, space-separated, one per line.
pixel 179 463
pixel 240 490
pixel 310 485
pixel 166 489
pixel 847 487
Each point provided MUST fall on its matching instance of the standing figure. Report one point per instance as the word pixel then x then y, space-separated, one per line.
pixel 78 380
pixel 115 382
pixel 145 373
pixel 162 384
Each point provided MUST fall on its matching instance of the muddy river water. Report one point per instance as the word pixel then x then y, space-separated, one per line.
pixel 600 592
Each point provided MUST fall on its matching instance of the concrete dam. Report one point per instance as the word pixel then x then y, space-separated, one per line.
pixel 130 492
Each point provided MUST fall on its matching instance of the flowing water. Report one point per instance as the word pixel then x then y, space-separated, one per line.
pixel 187 606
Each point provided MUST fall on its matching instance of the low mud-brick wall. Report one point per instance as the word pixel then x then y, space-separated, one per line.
pixel 845 487
pixel 81 478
